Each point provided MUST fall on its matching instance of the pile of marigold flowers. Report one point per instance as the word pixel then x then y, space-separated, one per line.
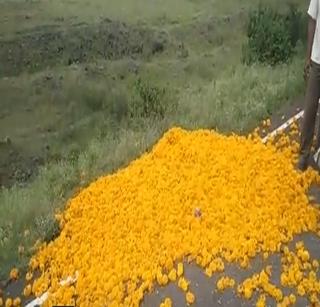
pixel 196 196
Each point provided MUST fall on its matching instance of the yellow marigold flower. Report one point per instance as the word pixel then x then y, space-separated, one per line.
pixel 164 279
pixel 314 299
pixel 166 303
pixel 183 284
pixel 29 276
pixel 1 302
pixel 315 264
pixel 33 264
pixel 208 272
pixel 285 302
pixel 269 270
pixel 27 291
pixel 292 299
pixel 159 277
pixel 190 298
pixel 180 269
pixel 301 291
pixel 305 256
pixel 14 274
pixel 299 245
pixel 283 279
pixel 172 275
pixel 261 302
pixel 225 282
pixel 247 293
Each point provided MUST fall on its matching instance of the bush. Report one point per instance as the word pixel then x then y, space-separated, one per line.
pixel 272 36
pixel 148 100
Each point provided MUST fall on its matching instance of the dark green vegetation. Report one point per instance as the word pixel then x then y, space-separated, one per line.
pixel 87 87
pixel 273 36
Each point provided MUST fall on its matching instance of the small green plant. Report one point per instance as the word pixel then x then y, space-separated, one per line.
pixel 272 36
pixel 148 100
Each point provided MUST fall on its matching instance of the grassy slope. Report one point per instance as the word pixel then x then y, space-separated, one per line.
pixel 211 87
pixel 21 17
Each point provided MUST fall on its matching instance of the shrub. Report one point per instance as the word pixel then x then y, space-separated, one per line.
pixel 148 100
pixel 272 36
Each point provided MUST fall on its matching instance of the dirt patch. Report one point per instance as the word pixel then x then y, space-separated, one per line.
pixel 51 47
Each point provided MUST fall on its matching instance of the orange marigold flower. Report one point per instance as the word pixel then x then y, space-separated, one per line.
pixel 17 302
pixel 9 302
pixel 127 230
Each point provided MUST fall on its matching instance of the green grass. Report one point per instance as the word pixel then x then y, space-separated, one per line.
pixel 241 97
pixel 84 112
pixel 22 16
